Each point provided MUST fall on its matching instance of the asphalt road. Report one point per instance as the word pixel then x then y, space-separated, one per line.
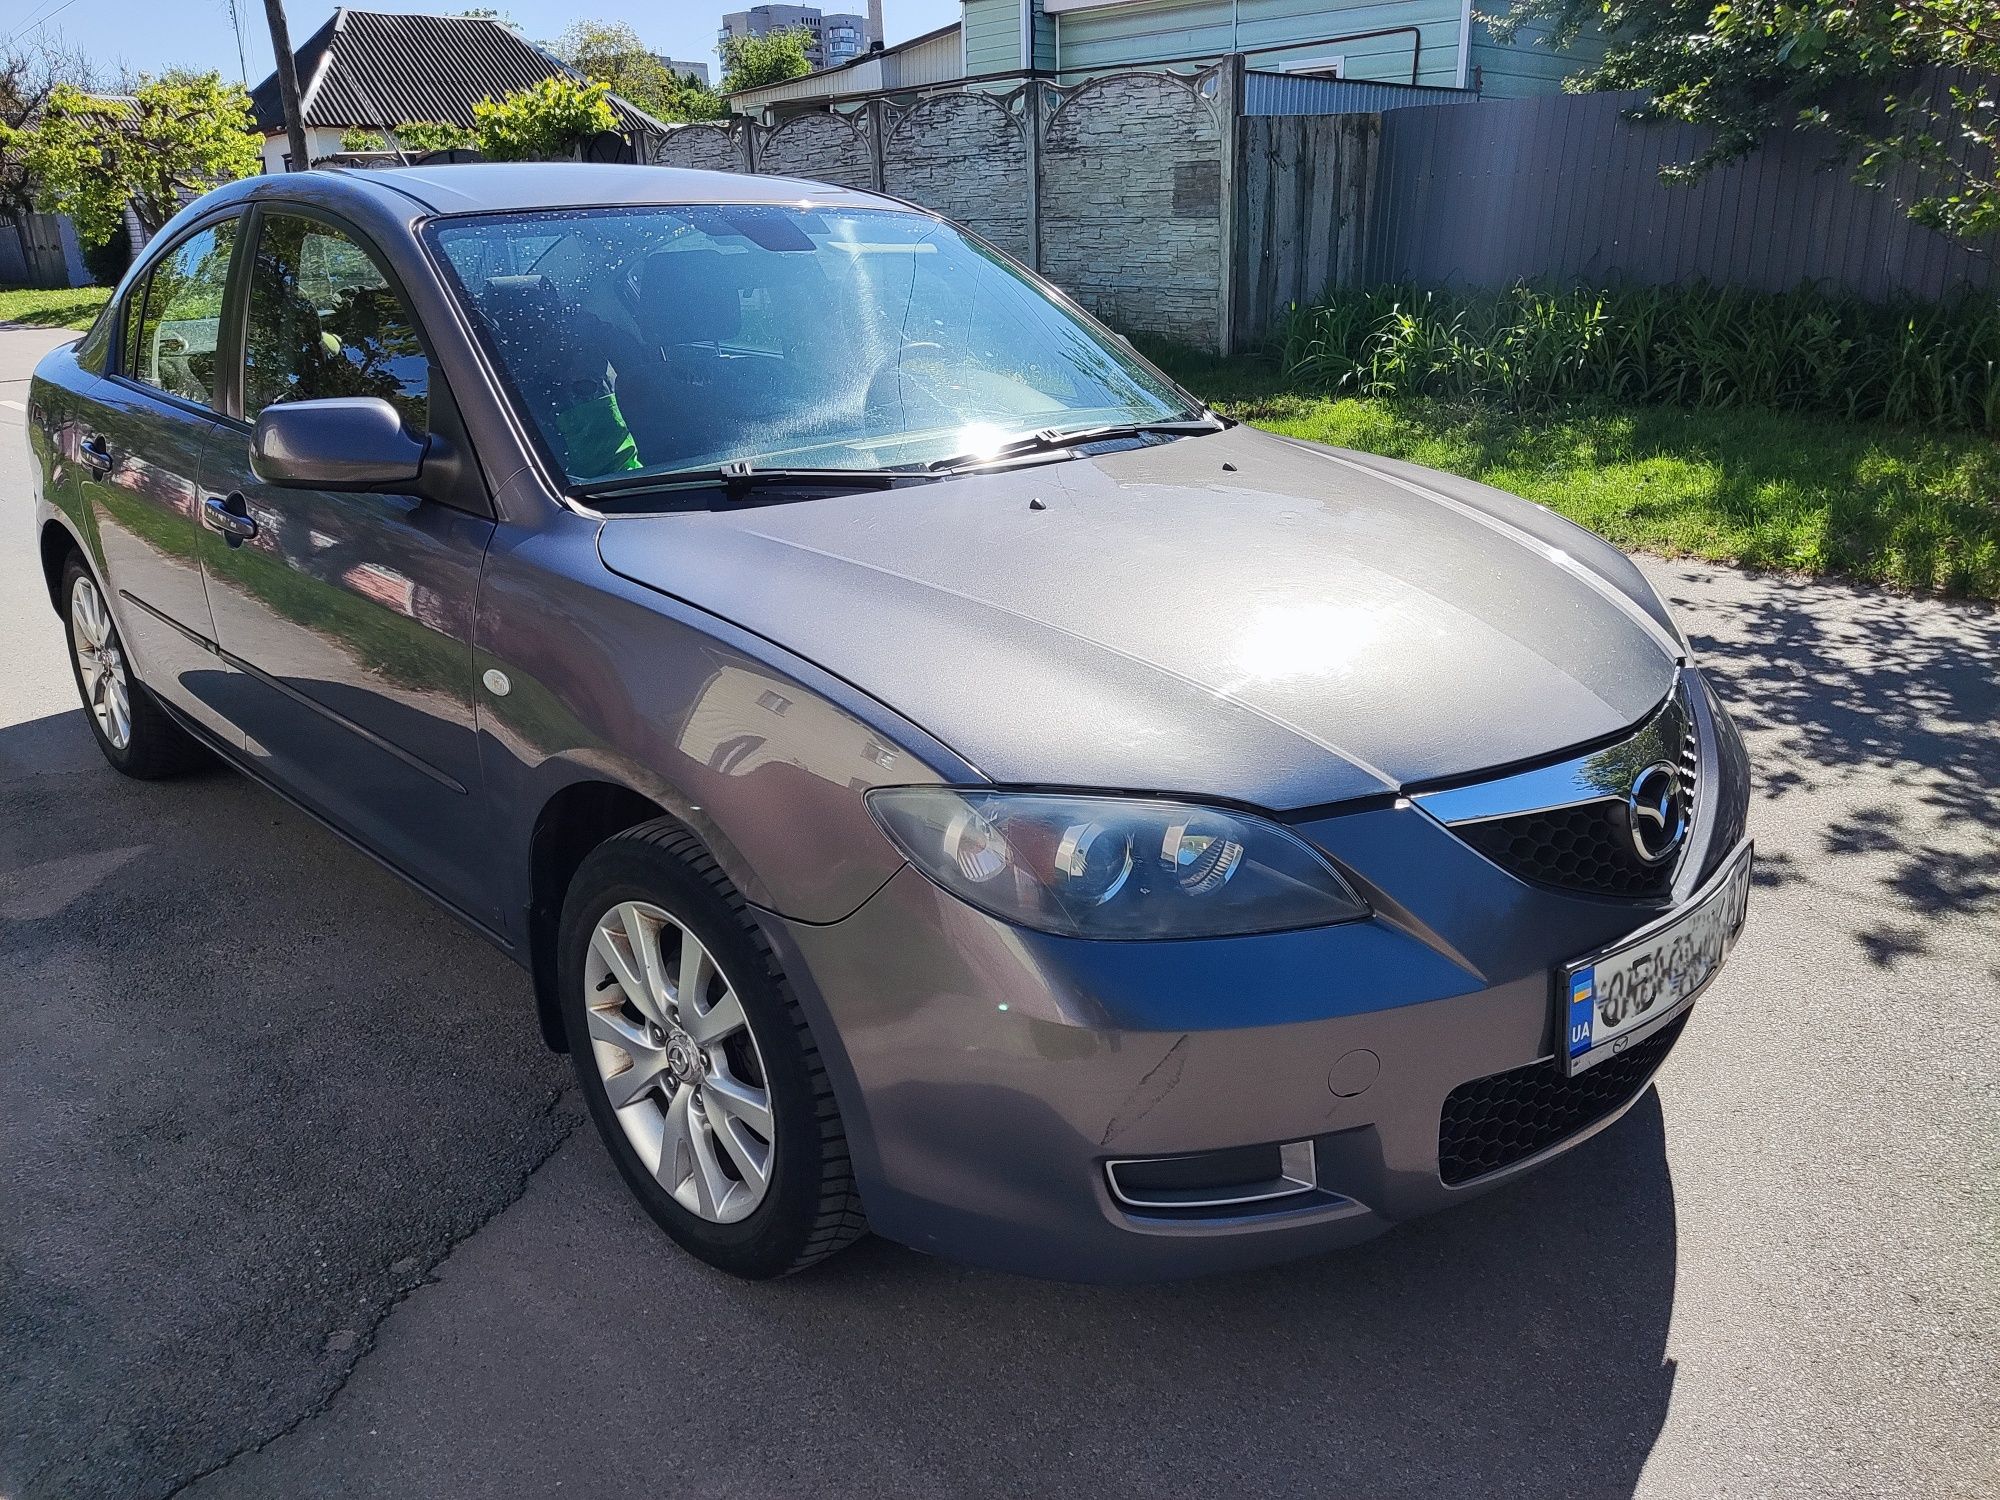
pixel 293 1203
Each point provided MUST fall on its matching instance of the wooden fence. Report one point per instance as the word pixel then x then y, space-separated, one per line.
pixel 1305 186
pixel 40 250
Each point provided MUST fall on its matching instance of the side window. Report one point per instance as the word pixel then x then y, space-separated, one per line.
pixel 171 342
pixel 325 322
pixel 135 317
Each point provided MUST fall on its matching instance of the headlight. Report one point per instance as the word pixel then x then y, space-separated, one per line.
pixel 1114 867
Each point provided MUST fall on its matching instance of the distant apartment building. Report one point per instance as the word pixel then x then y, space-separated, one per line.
pixel 677 66
pixel 833 38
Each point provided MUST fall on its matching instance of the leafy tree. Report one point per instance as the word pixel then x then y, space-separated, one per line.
pixel 750 62
pixel 693 99
pixel 28 75
pixel 548 119
pixel 610 53
pixel 355 139
pixel 179 135
pixel 419 136
pixel 1857 67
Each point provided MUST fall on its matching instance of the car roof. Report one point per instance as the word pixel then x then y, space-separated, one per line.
pixel 486 187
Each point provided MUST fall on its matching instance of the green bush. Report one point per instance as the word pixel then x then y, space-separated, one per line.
pixel 106 262
pixel 1928 365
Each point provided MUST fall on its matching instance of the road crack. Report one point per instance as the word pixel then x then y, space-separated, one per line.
pixel 362 1342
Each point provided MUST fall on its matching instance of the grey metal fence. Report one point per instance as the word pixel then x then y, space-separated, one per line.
pixel 1564 188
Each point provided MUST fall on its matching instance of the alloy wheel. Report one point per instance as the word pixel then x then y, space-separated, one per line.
pixel 678 1062
pixel 100 664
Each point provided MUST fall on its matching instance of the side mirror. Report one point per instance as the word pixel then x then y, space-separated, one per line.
pixel 340 443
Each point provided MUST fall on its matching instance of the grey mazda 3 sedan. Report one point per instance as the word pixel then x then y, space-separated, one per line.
pixel 940 777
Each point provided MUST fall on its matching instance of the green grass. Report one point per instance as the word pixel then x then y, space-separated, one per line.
pixel 1791 492
pixel 1526 348
pixel 61 307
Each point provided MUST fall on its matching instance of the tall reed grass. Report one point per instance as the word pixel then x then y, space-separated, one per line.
pixel 1924 365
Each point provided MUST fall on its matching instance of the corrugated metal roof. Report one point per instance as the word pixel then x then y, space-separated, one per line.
pixel 930 58
pixel 366 67
pixel 1302 94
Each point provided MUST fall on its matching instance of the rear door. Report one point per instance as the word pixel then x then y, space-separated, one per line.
pixel 141 449
pixel 350 614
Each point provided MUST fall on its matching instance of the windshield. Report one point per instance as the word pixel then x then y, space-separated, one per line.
pixel 658 340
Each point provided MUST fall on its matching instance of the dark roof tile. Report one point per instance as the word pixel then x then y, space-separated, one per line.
pixel 371 68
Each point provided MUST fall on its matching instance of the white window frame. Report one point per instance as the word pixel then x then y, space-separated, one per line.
pixel 1324 65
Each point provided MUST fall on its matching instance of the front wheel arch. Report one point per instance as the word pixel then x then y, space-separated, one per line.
pixel 812 1206
pixel 572 823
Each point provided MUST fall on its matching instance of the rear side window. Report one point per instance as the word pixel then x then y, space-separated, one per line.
pixel 171 333
pixel 324 321
pixel 135 307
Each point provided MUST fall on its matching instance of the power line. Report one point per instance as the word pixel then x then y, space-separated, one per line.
pixel 26 21
pixel 31 24
pixel 236 25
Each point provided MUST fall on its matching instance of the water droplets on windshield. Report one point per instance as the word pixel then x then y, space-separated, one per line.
pixel 660 339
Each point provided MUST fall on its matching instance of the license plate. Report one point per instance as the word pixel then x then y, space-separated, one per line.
pixel 1623 995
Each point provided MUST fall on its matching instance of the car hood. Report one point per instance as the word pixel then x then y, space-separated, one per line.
pixel 1234 616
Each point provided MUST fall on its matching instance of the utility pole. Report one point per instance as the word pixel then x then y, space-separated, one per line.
pixel 288 83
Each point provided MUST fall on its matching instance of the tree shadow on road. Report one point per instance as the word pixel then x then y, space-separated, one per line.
pixel 1834 686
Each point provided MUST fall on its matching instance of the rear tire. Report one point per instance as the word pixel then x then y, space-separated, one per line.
pixel 724 1125
pixel 136 735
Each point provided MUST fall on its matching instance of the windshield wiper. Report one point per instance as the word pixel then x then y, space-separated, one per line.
pixel 740 479
pixel 1056 440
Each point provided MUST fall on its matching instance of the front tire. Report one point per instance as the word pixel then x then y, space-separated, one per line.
pixel 134 732
pixel 696 1063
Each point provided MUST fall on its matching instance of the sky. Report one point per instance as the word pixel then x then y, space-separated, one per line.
pixel 149 36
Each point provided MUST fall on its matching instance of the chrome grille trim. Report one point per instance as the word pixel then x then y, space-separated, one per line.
pixel 1571 825
pixel 1668 734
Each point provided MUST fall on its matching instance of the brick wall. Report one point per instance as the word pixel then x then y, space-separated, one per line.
pixel 965 156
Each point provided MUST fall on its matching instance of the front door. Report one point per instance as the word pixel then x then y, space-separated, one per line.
pixel 350 613
pixel 150 421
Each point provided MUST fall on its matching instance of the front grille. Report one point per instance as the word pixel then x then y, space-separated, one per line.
pixel 1495 1121
pixel 1587 846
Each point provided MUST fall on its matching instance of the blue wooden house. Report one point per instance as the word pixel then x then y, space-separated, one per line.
pixel 1432 43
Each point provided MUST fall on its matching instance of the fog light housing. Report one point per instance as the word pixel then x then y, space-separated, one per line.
pixel 1235 1177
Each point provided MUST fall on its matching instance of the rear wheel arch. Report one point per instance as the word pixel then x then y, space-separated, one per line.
pixel 57 543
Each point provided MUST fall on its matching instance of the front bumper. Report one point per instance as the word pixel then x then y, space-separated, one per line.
pixel 987 1074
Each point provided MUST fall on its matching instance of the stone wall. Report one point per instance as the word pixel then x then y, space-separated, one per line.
pixel 1132 204
pixel 1119 201
pixel 707 147
pixel 964 156
pixel 826 148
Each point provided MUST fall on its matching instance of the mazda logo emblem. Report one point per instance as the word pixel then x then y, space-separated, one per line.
pixel 1655 812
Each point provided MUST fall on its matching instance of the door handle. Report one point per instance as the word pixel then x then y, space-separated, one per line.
pixel 228 516
pixel 96 452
